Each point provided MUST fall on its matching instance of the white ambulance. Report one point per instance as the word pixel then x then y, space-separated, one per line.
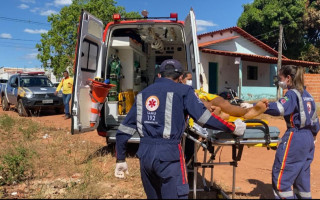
pixel 126 52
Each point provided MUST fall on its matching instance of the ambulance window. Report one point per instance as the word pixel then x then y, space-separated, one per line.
pixel 89 56
pixel 193 64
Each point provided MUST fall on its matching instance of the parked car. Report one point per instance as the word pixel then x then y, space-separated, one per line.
pixel 30 91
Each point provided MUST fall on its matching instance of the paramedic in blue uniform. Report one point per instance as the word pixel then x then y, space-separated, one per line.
pixel 294 155
pixel 159 114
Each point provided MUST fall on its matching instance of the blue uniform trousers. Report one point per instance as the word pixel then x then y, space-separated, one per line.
pixel 291 167
pixel 163 170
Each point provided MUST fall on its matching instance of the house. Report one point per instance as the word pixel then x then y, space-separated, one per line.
pixel 6 72
pixel 233 58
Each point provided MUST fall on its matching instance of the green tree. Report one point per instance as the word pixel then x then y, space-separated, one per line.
pixel 263 17
pixel 312 22
pixel 57 47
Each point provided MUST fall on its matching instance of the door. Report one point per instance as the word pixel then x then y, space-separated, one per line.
pixel 213 78
pixel 12 90
pixel 87 66
pixel 192 49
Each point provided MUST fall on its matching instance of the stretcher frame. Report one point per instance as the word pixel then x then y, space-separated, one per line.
pixel 209 144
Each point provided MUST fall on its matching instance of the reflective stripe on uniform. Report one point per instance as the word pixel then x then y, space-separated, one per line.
pixel 204 118
pixel 314 118
pixel 302 113
pixel 168 116
pixel 283 194
pixel 139 114
pixel 302 194
pixel 126 129
pixel 280 108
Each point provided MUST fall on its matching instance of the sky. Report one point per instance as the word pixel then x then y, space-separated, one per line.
pixel 22 21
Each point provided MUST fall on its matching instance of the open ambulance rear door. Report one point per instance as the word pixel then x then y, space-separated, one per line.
pixel 193 57
pixel 89 61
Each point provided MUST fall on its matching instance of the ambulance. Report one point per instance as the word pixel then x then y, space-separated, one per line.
pixel 126 53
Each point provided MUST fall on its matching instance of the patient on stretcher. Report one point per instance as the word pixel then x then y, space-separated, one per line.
pixel 222 107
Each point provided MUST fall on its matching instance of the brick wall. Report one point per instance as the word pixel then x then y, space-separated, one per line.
pixel 312 81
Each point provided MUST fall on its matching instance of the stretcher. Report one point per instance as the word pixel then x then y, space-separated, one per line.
pixel 257 134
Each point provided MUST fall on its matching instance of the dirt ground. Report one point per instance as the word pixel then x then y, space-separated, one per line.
pixel 253 178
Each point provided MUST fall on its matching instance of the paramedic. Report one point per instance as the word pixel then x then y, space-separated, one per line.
pixel 66 83
pixel 294 155
pixel 158 115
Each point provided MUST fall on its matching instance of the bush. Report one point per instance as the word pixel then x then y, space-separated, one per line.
pixel 14 165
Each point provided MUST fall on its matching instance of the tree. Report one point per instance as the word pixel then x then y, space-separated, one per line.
pixel 57 47
pixel 263 17
pixel 312 22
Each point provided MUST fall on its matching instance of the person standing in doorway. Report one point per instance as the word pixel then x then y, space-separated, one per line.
pixel 66 84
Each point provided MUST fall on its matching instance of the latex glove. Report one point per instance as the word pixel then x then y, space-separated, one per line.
pixel 246 105
pixel 240 127
pixel 121 168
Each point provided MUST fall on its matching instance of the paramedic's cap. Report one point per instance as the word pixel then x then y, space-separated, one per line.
pixel 172 63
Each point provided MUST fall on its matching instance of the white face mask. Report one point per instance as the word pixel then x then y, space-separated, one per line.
pixel 283 85
pixel 189 82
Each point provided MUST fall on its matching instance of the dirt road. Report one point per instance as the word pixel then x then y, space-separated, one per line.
pixel 253 179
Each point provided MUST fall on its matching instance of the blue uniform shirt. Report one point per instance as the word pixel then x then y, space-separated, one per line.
pixel 299 110
pixel 160 111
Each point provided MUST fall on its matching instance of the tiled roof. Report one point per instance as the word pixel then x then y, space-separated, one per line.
pixel 258 58
pixel 245 35
pixel 217 41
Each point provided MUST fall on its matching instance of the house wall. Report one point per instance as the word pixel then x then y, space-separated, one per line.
pixel 229 74
pixel 239 45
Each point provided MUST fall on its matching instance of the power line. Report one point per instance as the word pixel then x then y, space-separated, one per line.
pixel 23 21
pixel 18 47
pixel 18 39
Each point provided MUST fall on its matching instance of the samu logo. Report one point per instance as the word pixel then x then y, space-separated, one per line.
pixel 152 103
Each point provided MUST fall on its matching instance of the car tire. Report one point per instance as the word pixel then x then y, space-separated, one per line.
pixel 5 104
pixel 22 111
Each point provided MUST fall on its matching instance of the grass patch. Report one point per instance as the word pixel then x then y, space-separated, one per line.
pixel 14 165
pixel 6 122
pixel 60 165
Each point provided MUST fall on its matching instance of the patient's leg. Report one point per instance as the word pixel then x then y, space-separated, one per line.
pixel 237 111
pixel 256 110
pixel 215 109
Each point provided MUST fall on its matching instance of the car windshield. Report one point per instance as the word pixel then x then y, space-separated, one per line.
pixel 35 82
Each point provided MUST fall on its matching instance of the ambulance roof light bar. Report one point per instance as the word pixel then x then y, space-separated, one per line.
pixel 144 13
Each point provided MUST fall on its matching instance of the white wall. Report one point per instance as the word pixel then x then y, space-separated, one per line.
pixel 263 74
pixel 229 72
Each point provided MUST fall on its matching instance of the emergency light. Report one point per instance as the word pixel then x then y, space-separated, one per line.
pixel 174 15
pixel 116 17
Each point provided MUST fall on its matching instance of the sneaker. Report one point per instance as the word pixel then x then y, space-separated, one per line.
pixel 67 117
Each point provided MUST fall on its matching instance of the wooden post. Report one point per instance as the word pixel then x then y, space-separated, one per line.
pixel 240 78
pixel 279 57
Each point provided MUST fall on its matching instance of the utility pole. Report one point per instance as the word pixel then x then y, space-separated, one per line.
pixel 279 57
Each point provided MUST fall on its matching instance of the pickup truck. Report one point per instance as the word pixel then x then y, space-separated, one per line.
pixel 29 92
pixel 137 45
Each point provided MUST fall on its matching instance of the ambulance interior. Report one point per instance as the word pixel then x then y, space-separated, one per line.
pixel 134 55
